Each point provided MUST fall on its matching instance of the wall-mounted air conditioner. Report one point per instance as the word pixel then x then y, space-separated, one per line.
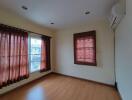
pixel 116 15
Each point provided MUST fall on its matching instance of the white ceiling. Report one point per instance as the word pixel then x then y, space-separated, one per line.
pixel 64 13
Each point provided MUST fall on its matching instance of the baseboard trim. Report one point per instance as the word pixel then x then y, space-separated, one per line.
pixel 95 82
pixel 119 93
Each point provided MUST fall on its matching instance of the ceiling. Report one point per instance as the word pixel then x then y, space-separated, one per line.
pixel 63 13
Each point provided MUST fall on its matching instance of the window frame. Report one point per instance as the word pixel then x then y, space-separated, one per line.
pixel 36 36
pixel 76 36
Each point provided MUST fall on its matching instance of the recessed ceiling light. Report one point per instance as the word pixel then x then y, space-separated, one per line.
pixel 52 23
pixel 24 8
pixel 87 12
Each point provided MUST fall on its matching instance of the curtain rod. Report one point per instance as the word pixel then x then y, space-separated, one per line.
pixel 4 25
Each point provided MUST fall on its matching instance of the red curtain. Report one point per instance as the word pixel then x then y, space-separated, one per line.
pixel 45 54
pixel 13 55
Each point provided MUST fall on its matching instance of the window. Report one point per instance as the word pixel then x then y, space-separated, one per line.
pixel 34 53
pixel 85 48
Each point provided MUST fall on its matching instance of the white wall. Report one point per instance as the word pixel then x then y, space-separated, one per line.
pixel 11 19
pixel 124 54
pixel 104 72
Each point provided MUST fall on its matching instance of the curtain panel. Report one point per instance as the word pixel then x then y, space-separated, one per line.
pixel 13 55
pixel 45 54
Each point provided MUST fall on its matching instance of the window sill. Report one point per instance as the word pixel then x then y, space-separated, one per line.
pixel 35 72
pixel 38 71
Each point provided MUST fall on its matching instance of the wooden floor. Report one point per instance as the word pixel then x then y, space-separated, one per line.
pixel 57 87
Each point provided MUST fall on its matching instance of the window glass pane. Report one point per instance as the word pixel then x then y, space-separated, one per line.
pixel 88 42
pixel 35 42
pixel 80 43
pixel 35 54
pixel 80 53
pixel 35 50
pixel 35 58
pixel 89 53
pixel 35 66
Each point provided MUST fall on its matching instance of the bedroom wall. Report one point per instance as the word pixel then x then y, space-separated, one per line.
pixel 11 19
pixel 104 71
pixel 124 54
